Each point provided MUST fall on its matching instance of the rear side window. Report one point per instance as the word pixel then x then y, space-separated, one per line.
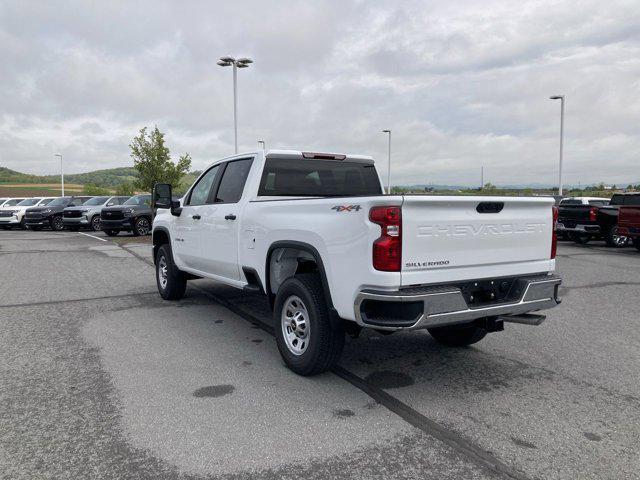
pixel 632 200
pixel 598 203
pixel 318 178
pixel 571 202
pixel 233 180
pixel 202 189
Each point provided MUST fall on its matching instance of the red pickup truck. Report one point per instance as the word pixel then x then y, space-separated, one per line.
pixel 629 224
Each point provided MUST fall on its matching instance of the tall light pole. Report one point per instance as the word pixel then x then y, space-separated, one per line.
pixel 389 163
pixel 239 63
pixel 561 98
pixel 61 173
pixel 264 145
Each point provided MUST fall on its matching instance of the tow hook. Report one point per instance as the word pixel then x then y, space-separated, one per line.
pixel 490 324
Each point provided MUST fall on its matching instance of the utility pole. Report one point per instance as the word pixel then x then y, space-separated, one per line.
pixel 61 174
pixel 239 63
pixel 561 98
pixel 389 163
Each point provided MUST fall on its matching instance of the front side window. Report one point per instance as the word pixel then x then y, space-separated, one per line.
pixel 598 203
pixel 96 201
pixel 28 202
pixel 58 202
pixel 233 180
pixel 632 200
pixel 139 200
pixel 202 189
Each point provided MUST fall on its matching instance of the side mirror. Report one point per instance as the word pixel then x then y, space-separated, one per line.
pixel 162 198
pixel 110 204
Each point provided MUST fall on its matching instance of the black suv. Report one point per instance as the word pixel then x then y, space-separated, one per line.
pixel 50 215
pixel 134 215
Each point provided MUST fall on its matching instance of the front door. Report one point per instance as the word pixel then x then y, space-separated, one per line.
pixel 189 225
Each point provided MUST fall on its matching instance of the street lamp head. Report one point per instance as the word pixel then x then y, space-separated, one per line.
pixel 57 155
pixel 241 65
pixel 245 60
pixel 227 59
pixel 557 97
pixel 224 64
pixel 386 131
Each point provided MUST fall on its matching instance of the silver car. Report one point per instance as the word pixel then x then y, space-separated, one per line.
pixel 87 215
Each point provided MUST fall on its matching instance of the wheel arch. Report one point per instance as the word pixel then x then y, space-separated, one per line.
pixel 160 236
pixel 310 250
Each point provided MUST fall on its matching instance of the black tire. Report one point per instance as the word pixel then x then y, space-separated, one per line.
pixel 111 233
pixel 23 223
pixel 580 238
pixel 324 342
pixel 96 223
pixel 141 226
pixel 172 283
pixel 636 243
pixel 458 335
pixel 56 223
pixel 614 240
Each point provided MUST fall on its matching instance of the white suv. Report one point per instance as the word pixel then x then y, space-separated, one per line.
pixel 12 213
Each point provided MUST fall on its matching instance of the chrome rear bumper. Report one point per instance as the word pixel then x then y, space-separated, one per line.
pixel 446 305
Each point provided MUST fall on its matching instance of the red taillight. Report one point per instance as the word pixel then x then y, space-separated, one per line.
pixel 592 214
pixel 387 249
pixel 554 234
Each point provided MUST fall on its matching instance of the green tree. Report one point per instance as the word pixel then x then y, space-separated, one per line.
pixel 153 163
pixel 125 190
pixel 95 190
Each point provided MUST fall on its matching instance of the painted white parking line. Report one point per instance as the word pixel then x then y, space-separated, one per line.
pixel 92 236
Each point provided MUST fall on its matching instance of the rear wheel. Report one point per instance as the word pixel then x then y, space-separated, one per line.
pixel 96 223
pixel 458 335
pixel 614 240
pixel 111 233
pixel 23 223
pixel 172 283
pixel 306 339
pixel 636 243
pixel 57 224
pixel 141 226
pixel 581 238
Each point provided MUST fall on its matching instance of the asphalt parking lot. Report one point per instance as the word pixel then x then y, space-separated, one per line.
pixel 100 378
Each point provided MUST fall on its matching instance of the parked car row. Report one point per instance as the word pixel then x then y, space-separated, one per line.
pixel 615 220
pixel 112 214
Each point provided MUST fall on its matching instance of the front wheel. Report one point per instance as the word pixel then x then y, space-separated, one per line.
pixel 57 223
pixel 307 341
pixel 172 283
pixel 458 335
pixel 141 226
pixel 96 223
pixel 615 240
pixel 580 238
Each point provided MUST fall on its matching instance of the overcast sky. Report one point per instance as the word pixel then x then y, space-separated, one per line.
pixel 460 84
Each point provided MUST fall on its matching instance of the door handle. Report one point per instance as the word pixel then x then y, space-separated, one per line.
pixel 230 217
pixel 196 217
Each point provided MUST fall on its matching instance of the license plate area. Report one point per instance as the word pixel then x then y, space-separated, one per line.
pixel 481 293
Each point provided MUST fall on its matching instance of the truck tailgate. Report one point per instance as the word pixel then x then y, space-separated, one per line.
pixel 451 238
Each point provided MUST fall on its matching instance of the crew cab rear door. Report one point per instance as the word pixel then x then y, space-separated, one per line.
pixel 446 239
pixel 219 232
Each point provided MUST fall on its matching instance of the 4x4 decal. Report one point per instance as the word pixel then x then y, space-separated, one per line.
pixel 346 208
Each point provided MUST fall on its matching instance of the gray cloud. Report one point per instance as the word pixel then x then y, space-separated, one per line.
pixel 461 85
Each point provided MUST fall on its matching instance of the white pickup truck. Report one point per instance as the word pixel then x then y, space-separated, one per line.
pixel 315 233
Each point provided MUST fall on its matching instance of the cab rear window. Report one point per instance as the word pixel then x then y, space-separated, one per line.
pixel 318 178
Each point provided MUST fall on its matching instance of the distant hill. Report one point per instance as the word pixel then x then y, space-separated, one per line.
pixel 109 178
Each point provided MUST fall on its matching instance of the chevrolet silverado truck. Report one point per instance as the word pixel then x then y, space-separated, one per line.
pixel 87 215
pixel 577 218
pixel 50 215
pixel 607 218
pixel 134 215
pixel 15 216
pixel 315 234
pixel 629 224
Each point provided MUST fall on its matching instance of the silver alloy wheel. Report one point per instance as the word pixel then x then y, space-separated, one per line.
pixel 294 322
pixel 619 240
pixel 57 223
pixel 143 226
pixel 163 275
pixel 96 223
